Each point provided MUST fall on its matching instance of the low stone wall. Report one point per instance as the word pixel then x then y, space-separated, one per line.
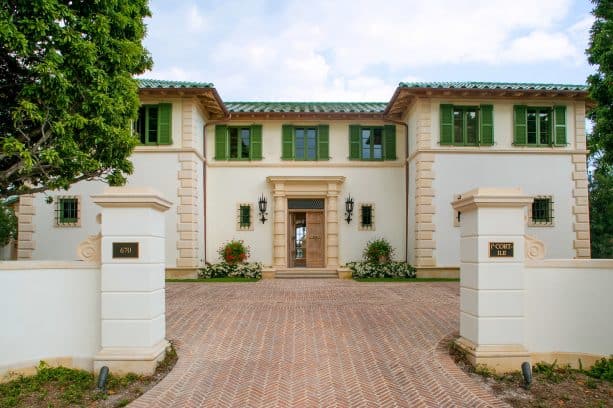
pixel 568 309
pixel 51 312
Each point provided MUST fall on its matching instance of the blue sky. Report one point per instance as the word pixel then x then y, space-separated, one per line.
pixel 358 50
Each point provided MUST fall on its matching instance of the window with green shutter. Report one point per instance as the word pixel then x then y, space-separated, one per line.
pixel 154 124
pixel 372 142
pixel 539 126
pixel 305 142
pixel 466 125
pixel 238 142
pixel 67 211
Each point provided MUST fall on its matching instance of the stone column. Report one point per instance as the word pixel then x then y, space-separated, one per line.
pixel 332 226
pixel 491 277
pixel 132 306
pixel 279 256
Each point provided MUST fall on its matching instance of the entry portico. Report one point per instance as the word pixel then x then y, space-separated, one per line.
pixel 295 187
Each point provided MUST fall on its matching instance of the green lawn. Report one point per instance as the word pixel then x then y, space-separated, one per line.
pixel 406 279
pixel 226 279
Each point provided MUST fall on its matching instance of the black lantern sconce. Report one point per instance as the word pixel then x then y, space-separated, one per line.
pixel 348 208
pixel 262 207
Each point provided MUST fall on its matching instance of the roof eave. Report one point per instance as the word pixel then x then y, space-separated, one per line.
pixel 208 97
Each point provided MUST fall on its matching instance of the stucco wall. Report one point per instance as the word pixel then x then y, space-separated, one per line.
pixel 54 313
pixel 535 174
pixel 568 306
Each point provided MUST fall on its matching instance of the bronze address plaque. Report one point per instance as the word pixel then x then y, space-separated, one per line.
pixel 125 249
pixel 501 250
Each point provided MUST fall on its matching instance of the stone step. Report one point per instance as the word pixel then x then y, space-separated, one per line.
pixel 306 274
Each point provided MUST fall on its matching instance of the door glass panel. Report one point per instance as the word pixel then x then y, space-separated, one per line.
pixel 300 237
pixel 233 143
pixel 458 126
pixel 544 127
pixel 366 143
pixel 531 127
pixel 245 133
pixel 299 144
pixel 471 127
pixel 377 143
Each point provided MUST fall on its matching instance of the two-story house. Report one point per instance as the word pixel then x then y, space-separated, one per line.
pixel 397 165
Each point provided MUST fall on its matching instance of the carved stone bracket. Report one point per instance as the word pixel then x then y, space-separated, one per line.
pixel 89 250
pixel 535 249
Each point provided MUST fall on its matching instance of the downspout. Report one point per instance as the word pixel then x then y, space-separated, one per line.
pixel 406 187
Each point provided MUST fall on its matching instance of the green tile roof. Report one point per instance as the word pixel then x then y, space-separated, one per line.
pixel 494 85
pixel 306 107
pixel 160 83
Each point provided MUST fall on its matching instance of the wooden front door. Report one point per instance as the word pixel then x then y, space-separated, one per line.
pixel 315 239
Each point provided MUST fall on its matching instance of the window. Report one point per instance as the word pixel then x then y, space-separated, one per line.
pixel 539 126
pixel 541 211
pixel 367 217
pixel 67 211
pixel 467 125
pixel 372 142
pixel 238 142
pixel 244 220
pixel 153 125
pixel 305 142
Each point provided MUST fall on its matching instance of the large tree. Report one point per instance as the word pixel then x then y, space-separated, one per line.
pixel 67 93
pixel 600 54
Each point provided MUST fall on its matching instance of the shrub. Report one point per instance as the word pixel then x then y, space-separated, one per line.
pixel 378 251
pixel 386 270
pixel 8 225
pixel 602 369
pixel 234 252
pixel 238 270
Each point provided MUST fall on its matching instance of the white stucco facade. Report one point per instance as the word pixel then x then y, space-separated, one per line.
pixel 410 194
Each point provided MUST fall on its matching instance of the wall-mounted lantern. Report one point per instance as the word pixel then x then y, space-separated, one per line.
pixel 348 208
pixel 262 207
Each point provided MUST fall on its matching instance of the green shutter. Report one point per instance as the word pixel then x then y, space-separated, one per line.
pixel 521 130
pixel 323 142
pixel 560 125
pixel 165 123
pixel 446 124
pixel 487 125
pixel 221 133
pixel 389 142
pixel 354 142
pixel 287 135
pixel 256 142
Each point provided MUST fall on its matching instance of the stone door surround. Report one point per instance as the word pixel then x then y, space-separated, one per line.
pixel 284 187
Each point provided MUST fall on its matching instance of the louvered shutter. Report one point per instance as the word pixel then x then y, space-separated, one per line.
pixel 287 136
pixel 354 142
pixel 389 142
pixel 446 124
pixel 221 132
pixel 520 128
pixel 487 125
pixel 256 142
pixel 560 125
pixel 323 142
pixel 164 123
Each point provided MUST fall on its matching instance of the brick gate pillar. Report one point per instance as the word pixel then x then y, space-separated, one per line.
pixel 132 298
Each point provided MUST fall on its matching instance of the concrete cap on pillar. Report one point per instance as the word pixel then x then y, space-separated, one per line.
pixel 134 197
pixel 491 197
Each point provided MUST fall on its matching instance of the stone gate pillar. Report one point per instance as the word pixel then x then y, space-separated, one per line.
pixel 491 277
pixel 132 298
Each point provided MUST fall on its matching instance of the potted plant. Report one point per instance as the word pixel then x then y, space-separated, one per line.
pixel 378 251
pixel 234 252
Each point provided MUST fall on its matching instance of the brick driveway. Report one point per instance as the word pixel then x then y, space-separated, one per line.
pixel 321 343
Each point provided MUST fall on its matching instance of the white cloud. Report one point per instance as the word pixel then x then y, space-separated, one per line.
pixel 353 49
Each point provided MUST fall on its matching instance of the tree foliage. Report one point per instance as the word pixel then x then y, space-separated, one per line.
pixel 600 54
pixel 601 211
pixel 8 225
pixel 67 93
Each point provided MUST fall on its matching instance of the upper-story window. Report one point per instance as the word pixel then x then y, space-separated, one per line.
pixel 238 142
pixel 372 142
pixel 154 124
pixel 539 126
pixel 305 142
pixel 466 125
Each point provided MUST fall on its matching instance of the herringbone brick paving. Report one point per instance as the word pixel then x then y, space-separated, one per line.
pixel 314 343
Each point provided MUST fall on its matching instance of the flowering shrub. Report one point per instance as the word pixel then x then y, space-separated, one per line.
pixel 378 251
pixel 223 269
pixel 234 252
pixel 381 270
